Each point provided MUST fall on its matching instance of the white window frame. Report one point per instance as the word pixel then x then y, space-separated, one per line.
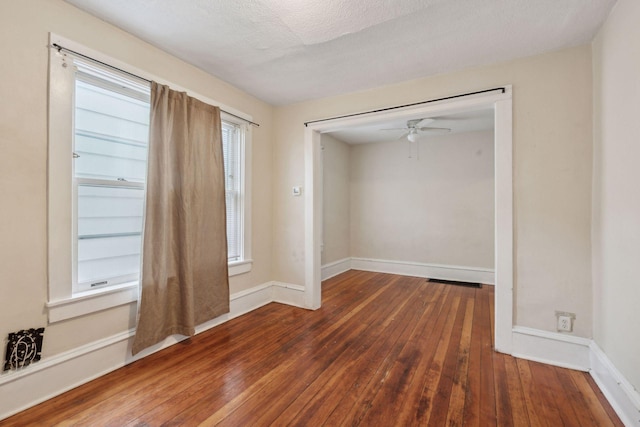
pixel 63 303
pixel 131 279
pixel 244 264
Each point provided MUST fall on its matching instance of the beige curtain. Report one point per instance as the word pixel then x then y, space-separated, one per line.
pixel 185 280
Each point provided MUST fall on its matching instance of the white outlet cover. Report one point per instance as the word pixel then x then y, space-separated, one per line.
pixel 564 323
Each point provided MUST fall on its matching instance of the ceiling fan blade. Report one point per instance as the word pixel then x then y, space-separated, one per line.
pixel 423 122
pixel 432 129
pixel 403 136
pixel 394 129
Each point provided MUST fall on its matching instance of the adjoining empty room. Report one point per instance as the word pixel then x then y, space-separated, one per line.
pixel 420 204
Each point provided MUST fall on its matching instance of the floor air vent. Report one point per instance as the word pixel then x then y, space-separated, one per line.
pixel 454 282
pixel 23 348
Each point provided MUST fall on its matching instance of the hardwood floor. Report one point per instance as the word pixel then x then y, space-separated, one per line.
pixel 383 350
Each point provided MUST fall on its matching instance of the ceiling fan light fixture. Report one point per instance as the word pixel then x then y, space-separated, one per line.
pixel 413 136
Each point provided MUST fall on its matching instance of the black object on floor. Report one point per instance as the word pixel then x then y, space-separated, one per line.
pixel 454 282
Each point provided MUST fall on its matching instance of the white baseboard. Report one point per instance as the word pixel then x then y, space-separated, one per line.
pixel 289 294
pixel 434 271
pixel 552 348
pixel 52 376
pixel 334 268
pixel 622 396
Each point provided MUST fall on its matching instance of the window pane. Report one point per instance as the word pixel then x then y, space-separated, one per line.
pixel 111 134
pixel 231 150
pixel 114 260
pixel 109 231
pixel 233 226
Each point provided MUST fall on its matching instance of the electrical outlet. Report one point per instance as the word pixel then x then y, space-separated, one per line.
pixel 564 321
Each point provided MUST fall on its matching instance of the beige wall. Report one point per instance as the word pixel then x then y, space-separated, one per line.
pixel 336 221
pixel 24 26
pixel 552 175
pixel 436 208
pixel 616 200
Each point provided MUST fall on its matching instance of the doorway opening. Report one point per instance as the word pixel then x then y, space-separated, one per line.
pixel 501 104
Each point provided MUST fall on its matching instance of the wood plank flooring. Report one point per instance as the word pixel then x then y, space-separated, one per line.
pixel 383 350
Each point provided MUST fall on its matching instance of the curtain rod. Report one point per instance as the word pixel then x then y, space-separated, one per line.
pixel 406 105
pixel 57 46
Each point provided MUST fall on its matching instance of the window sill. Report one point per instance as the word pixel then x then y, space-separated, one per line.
pixel 100 299
pixel 240 267
pixel 91 301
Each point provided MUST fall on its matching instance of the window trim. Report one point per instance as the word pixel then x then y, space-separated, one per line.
pixel 245 263
pixel 63 303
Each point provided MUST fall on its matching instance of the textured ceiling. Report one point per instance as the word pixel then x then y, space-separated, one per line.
pixel 286 51
pixel 476 120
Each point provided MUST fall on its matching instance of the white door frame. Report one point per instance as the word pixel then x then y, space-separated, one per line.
pixel 503 152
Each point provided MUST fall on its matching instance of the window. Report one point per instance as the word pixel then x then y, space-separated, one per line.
pixel 236 138
pixel 231 150
pixel 98 139
pixel 111 128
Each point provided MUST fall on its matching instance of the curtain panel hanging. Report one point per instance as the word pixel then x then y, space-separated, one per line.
pixel 184 279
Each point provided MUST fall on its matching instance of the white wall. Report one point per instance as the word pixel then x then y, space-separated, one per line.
pixel 336 222
pixel 616 180
pixel 23 163
pixel 436 208
pixel 552 175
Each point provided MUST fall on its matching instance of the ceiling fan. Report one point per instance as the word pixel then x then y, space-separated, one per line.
pixel 416 127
